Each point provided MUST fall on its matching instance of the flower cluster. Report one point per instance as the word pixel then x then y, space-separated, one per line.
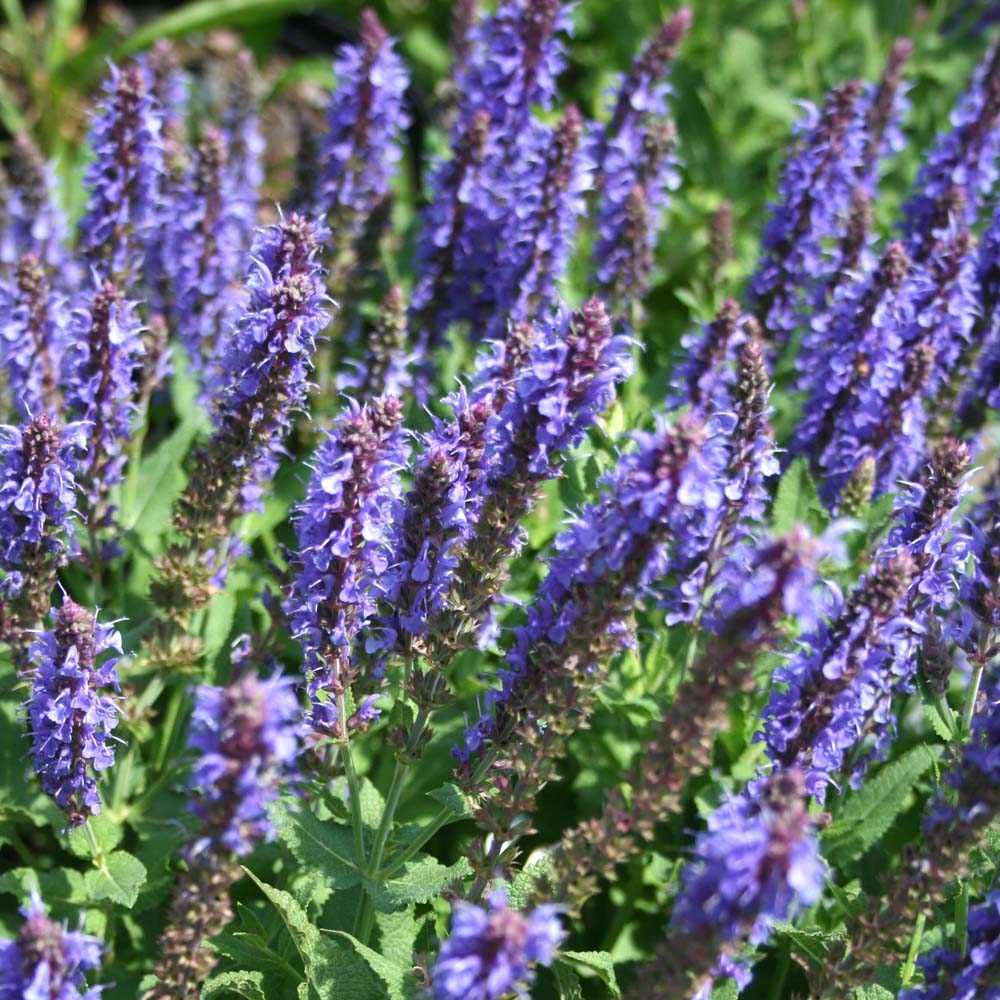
pixel 47 960
pixel 123 181
pixel 37 494
pixel 342 528
pixel 951 975
pixel 491 952
pixel 71 716
pixel 205 258
pixel 815 192
pixel 246 736
pixel 33 321
pixel 361 147
pixel 756 860
pixel 637 168
pixel 104 345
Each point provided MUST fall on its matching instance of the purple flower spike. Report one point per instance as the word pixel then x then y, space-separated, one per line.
pixel 33 322
pixel 888 104
pixel 456 221
pixel 101 370
pixel 37 488
pixel 33 222
pixel 604 562
pixel 567 381
pixel 949 975
pixel 365 121
pixel 206 256
pixel 516 55
pixel 637 168
pixel 814 195
pixel 71 718
pixel 263 376
pixel 841 685
pixel 435 520
pixel 550 203
pixel 244 144
pixel 123 182
pixel 758 862
pixel 960 169
pixel 343 553
pixel 740 453
pixel 491 952
pixel 47 961
pixel 247 736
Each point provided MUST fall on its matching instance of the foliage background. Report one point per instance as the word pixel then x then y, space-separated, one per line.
pixel 739 74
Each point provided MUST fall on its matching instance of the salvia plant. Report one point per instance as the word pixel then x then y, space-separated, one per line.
pixel 398 601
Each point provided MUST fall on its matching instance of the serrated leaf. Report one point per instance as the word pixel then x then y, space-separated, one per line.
pixel 453 798
pixel 419 881
pixel 249 985
pixel 598 962
pixel 398 935
pixel 63 886
pixel 332 971
pixel 567 981
pixel 812 944
pixel 327 847
pixel 869 814
pixel 728 990
pixel 304 935
pixel 248 949
pixel 106 832
pixel 118 879
pixel 873 992
pixel 933 716
pixel 399 979
pixel 797 500
pixel 521 889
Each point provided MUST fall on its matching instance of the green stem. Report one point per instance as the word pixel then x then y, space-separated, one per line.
pixel 911 956
pixel 443 818
pixel 353 785
pixel 95 849
pixel 123 775
pixel 169 725
pixel 972 695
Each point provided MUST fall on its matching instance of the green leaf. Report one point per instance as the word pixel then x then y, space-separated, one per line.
pixel 304 935
pixel 869 814
pixel 521 889
pixel 873 992
pixel 106 831
pixel 203 15
pixel 162 477
pixel 332 971
pixel 454 799
pixel 567 981
pixel 249 985
pixel 398 978
pixel 812 944
pixel 63 886
pixel 727 991
pixel 327 847
pixel 420 880
pixel 597 962
pixel 118 879
pixel 218 624
pixel 797 500
pixel 398 935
